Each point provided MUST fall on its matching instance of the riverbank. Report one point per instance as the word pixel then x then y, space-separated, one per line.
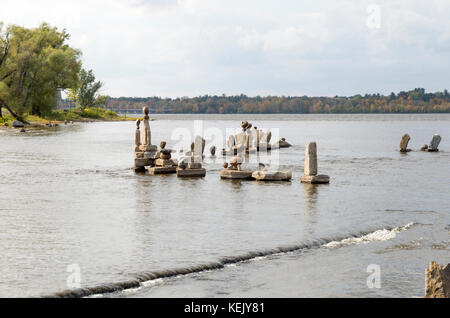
pixel 67 116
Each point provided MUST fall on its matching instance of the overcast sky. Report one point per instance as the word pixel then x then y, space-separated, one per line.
pixel 180 48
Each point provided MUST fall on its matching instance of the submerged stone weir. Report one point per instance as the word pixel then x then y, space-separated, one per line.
pixel 231 260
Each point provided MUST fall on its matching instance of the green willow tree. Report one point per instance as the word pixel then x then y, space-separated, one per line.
pixel 34 65
pixel 86 92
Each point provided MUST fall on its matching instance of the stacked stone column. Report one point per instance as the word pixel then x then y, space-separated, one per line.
pixel 311 167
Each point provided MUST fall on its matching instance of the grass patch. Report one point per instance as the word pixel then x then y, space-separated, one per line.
pixel 7 119
pixel 76 114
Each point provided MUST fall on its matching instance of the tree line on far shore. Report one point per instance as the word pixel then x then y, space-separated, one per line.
pixel 36 65
pixel 414 101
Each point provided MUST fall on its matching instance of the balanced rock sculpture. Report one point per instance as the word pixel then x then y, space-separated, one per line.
pixel 163 164
pixel 144 151
pixel 404 144
pixel 233 170
pixel 191 166
pixel 311 167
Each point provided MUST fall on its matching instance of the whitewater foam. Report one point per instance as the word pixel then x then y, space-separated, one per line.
pixel 380 235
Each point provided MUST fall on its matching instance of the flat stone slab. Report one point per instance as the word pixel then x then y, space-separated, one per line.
pixel 165 162
pixel 236 175
pixel 194 166
pixel 162 170
pixel 191 173
pixel 272 176
pixel 150 148
pixel 143 162
pixel 321 179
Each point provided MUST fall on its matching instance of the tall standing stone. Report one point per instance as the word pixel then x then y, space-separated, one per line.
pixel 137 136
pixel 231 142
pixel 199 147
pixel 434 144
pixel 311 165
pixel 147 135
pixel 404 143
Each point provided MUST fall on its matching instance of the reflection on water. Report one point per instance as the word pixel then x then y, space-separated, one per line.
pixel 68 196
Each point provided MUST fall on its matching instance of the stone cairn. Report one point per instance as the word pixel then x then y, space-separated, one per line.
pixel 404 144
pixel 163 162
pixel 434 144
pixel 311 167
pixel 437 281
pixel 144 151
pixel 233 169
pixel 191 166
pixel 252 140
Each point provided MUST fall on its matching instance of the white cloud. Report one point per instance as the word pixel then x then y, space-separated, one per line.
pixel 290 47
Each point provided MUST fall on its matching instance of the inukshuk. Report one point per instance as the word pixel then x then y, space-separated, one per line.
pixel 191 166
pixel 311 167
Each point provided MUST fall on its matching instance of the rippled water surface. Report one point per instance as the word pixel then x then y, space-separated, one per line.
pixel 68 196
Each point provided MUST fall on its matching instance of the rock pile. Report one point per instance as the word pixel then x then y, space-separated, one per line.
pixel 191 166
pixel 252 140
pixel 233 170
pixel 163 163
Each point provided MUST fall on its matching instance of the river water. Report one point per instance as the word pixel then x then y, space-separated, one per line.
pixel 70 205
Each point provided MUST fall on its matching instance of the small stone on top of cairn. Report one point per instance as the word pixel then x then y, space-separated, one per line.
pixel 311 167
pixel 404 144
pixel 434 144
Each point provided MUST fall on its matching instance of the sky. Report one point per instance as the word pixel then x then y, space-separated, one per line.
pixel 178 48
